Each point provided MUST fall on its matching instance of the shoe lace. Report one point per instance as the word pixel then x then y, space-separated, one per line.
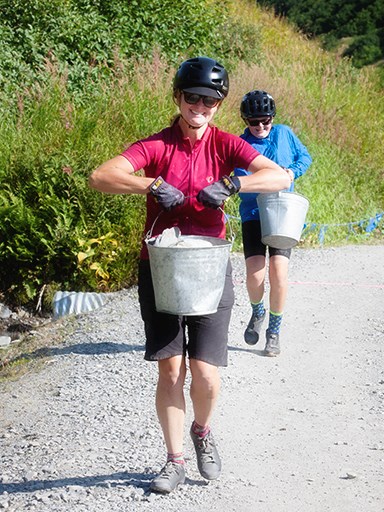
pixel 205 446
pixel 169 470
pixel 273 339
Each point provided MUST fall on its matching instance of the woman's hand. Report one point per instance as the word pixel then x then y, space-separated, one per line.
pixel 214 195
pixel 165 194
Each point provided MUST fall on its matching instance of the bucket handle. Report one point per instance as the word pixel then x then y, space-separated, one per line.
pixel 226 217
pixel 227 221
pixel 149 232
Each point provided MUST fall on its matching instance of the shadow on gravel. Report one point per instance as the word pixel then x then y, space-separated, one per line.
pixel 138 480
pixel 95 349
pixel 260 353
pixel 81 348
pixel 113 480
pixel 92 349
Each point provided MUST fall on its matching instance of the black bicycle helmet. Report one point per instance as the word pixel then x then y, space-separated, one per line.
pixel 202 75
pixel 257 104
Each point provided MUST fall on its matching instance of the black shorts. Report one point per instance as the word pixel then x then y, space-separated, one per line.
pixel 252 244
pixel 203 337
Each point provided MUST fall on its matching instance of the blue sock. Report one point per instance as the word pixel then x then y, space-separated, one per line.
pixel 275 320
pixel 258 308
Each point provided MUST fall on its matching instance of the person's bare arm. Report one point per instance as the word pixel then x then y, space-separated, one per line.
pixel 116 176
pixel 266 176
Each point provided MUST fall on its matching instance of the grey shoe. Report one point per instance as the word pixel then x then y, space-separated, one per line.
pixel 252 332
pixel 208 459
pixel 169 478
pixel 272 346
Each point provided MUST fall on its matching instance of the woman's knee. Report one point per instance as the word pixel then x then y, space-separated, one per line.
pixel 172 371
pixel 204 375
pixel 278 269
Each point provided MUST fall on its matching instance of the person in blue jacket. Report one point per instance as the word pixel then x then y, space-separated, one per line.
pixel 280 144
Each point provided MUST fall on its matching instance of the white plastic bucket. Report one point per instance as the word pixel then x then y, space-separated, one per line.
pixel 189 280
pixel 282 218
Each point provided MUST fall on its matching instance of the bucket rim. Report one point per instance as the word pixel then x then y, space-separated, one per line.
pixel 223 242
pixel 282 193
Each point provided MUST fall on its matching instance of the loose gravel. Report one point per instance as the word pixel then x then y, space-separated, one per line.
pixel 300 432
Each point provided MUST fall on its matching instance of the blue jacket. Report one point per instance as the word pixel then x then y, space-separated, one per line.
pixel 283 147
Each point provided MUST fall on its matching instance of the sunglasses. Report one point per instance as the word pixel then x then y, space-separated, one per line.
pixel 191 98
pixel 256 122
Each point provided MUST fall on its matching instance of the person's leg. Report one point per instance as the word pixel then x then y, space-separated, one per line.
pixel 170 406
pixel 278 281
pixel 170 402
pixel 205 387
pixel 208 349
pixel 255 277
pixel 165 343
pixel 255 262
pixel 255 265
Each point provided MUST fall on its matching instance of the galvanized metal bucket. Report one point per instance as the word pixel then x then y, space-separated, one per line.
pixel 189 280
pixel 282 218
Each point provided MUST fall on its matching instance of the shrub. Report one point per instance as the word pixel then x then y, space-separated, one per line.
pixel 86 40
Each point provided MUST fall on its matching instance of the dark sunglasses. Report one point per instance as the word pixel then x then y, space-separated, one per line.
pixel 256 122
pixel 191 98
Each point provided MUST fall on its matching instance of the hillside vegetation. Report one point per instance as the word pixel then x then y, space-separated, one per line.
pixel 80 80
pixel 357 25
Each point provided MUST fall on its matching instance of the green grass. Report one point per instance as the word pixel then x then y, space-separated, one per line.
pixel 335 109
pixel 51 140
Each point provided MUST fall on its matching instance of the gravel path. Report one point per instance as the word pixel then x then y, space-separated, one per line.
pixel 301 432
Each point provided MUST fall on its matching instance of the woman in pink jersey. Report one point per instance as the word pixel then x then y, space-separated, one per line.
pixel 187 167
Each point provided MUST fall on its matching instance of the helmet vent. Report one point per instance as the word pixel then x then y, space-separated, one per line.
pixel 257 103
pixel 202 72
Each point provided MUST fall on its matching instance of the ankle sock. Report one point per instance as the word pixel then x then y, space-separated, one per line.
pixel 275 320
pixel 177 458
pixel 199 430
pixel 258 308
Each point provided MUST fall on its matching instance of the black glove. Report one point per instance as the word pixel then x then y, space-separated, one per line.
pixel 214 195
pixel 165 194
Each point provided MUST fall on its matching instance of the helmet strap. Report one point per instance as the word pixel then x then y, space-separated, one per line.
pixel 189 125
pixel 176 100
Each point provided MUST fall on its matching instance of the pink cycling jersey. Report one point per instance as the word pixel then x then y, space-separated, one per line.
pixel 189 168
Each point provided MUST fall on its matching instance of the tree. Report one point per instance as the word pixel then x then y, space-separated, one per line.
pixel 363 20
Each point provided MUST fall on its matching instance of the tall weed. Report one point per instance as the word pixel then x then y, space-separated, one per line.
pixel 55 231
pixel 336 110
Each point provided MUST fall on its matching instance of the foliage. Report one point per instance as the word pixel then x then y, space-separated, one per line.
pixel 86 41
pixel 321 96
pixel 365 49
pixel 46 207
pixel 78 80
pixel 83 106
pixel 362 20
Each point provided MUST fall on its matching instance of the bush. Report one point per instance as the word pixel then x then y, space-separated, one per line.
pixel 48 215
pixel 86 40
pixel 80 79
pixel 85 108
pixel 364 50
pixel 336 20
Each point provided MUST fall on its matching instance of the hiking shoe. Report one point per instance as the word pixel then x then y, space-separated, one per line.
pixel 272 346
pixel 169 478
pixel 208 460
pixel 252 332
